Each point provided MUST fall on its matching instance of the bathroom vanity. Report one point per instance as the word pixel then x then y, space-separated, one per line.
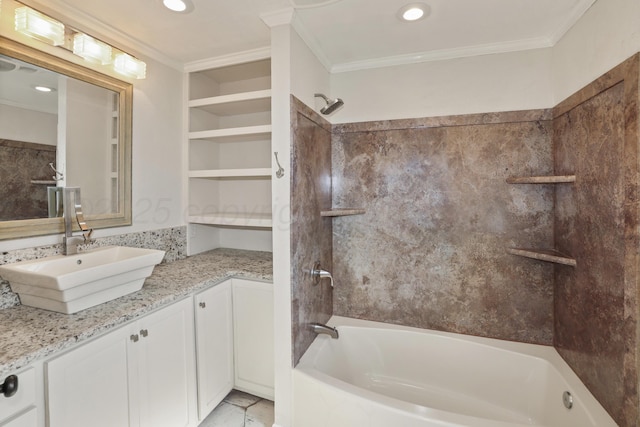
pixel 163 356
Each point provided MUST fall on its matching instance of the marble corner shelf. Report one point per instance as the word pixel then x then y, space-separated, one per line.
pixel 341 212
pixel 552 179
pixel 543 255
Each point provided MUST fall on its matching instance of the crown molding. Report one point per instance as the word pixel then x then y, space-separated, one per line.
pixel 231 59
pixel 542 42
pixel 278 17
pixel 575 16
pixel 443 54
pixel 60 10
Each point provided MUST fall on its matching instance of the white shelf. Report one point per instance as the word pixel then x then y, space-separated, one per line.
pixel 231 173
pixel 233 220
pixel 222 133
pixel 235 104
pixel 553 179
pixel 229 143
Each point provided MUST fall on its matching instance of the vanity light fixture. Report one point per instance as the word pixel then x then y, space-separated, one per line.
pixel 91 49
pixel 39 26
pixel 129 66
pixel 414 12
pixel 180 6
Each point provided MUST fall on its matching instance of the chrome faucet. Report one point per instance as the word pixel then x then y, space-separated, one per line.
pixel 71 209
pixel 319 328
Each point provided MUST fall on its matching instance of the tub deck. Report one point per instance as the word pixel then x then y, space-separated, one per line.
pixel 377 374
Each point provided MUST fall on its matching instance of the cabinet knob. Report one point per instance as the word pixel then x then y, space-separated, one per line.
pixel 144 333
pixel 134 337
pixel 203 304
pixel 10 386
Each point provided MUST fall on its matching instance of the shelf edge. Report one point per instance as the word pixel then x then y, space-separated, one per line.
pixel 231 173
pixel 341 212
pixel 543 255
pixel 226 99
pixel 552 179
pixel 221 133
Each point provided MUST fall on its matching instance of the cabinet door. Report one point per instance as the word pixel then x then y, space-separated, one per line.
pixel 26 419
pixel 253 337
pixel 214 346
pixel 88 386
pixel 29 382
pixel 166 367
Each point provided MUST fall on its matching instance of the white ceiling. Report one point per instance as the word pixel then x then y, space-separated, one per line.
pixel 345 34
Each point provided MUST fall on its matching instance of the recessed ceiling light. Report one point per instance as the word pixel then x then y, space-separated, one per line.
pixel 414 12
pixel 45 89
pixel 182 6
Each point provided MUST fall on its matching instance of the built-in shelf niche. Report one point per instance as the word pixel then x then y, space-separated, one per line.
pixel 543 254
pixel 229 154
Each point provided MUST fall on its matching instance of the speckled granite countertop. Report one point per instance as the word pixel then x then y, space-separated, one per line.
pixel 28 334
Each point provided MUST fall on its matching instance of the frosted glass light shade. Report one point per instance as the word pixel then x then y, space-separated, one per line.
pixel 91 49
pixel 39 26
pixel 129 66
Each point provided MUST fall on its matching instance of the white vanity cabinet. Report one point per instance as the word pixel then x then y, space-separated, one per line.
pixel 21 409
pixel 234 341
pixel 140 375
pixel 214 346
pixel 253 337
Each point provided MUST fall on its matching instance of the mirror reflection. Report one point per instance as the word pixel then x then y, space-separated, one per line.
pixel 61 125
pixel 55 131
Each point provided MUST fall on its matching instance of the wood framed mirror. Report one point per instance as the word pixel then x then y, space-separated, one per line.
pixel 77 134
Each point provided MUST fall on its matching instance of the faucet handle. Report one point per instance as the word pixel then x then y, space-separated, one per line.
pixel 318 273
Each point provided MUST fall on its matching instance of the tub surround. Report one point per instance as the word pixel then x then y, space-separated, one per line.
pixel 170 240
pixel 430 251
pixel 30 333
pixel 596 136
pixel 311 234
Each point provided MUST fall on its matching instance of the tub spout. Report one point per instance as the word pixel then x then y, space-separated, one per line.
pixel 319 328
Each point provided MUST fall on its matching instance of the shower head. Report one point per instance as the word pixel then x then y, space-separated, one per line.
pixel 332 104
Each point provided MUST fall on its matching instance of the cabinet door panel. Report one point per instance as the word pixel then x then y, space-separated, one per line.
pixel 88 386
pixel 214 346
pixel 27 419
pixel 253 337
pixel 166 366
pixel 24 397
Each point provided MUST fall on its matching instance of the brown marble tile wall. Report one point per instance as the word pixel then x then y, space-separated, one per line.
pixel 21 162
pixel 430 251
pixel 311 234
pixel 596 137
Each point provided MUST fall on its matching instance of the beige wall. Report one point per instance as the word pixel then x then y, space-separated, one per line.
pixel 606 35
pixel 500 82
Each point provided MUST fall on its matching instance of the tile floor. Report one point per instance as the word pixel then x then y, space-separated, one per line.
pixel 240 409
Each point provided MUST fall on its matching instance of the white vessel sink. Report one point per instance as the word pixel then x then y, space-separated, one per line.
pixel 68 284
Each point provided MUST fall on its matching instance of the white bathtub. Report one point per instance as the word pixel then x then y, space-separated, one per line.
pixel 380 375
